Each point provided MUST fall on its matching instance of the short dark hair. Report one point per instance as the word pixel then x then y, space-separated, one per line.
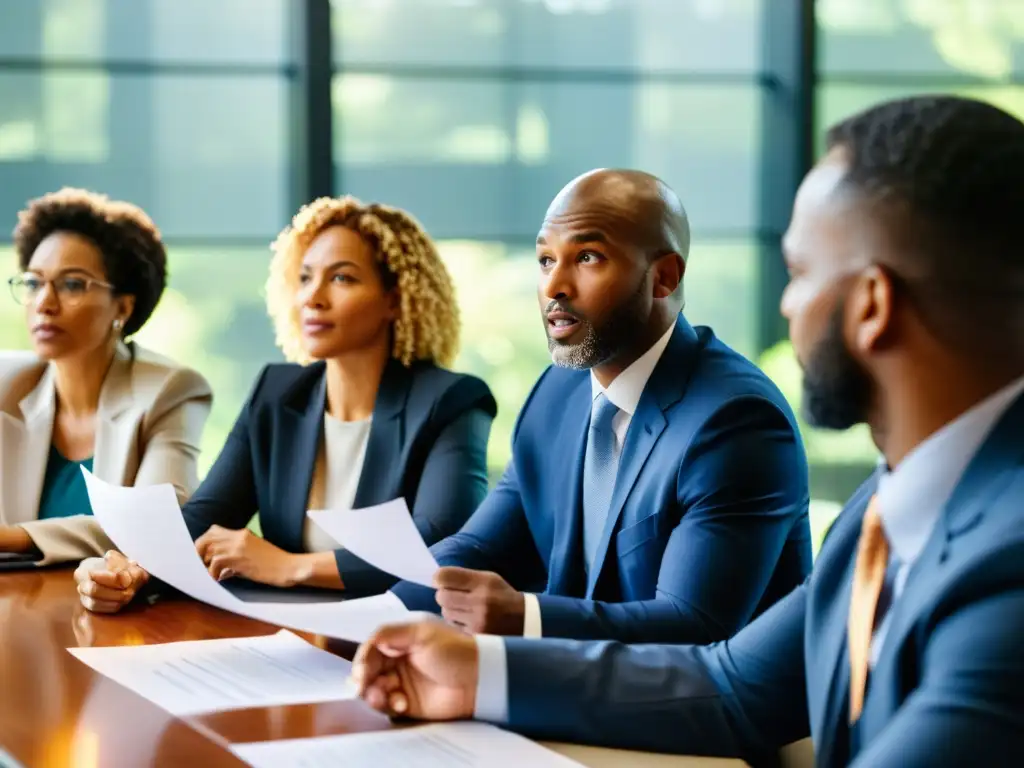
pixel 948 172
pixel 134 257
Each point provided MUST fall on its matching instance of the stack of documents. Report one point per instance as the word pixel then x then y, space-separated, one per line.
pixel 443 745
pixel 196 677
pixel 200 676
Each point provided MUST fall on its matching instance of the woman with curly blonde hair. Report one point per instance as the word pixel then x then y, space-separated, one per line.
pixel 366 413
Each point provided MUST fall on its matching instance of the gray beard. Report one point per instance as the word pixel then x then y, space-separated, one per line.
pixel 583 355
pixel 597 347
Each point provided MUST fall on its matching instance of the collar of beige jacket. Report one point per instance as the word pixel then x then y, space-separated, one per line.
pixel 115 396
pixel 30 441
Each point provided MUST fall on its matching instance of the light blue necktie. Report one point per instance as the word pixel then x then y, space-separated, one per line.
pixel 599 467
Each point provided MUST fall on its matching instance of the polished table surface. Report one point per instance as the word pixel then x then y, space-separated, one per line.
pixel 55 712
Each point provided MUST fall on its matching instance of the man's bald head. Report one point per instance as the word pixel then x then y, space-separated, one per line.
pixel 612 252
pixel 640 207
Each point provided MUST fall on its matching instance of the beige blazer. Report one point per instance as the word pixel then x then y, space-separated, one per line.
pixel 148 426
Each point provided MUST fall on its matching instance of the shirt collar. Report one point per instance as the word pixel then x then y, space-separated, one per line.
pixel 911 497
pixel 625 390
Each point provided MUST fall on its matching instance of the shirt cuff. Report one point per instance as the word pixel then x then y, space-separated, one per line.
pixel 531 616
pixel 492 680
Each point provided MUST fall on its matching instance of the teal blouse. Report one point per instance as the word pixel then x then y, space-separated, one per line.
pixel 64 492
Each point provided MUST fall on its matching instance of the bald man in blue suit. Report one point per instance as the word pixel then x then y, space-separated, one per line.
pixel 657 489
pixel 903 648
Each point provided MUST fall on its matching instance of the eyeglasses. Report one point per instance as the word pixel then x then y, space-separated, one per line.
pixel 70 290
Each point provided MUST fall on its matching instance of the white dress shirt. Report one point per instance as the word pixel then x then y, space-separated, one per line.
pixel 911 497
pixel 910 500
pixel 624 393
pixel 336 475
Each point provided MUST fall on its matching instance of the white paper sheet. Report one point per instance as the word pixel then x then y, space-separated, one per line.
pixel 442 745
pixel 384 536
pixel 199 676
pixel 147 526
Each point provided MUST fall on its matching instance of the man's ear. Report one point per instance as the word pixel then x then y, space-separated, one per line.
pixel 870 307
pixel 668 275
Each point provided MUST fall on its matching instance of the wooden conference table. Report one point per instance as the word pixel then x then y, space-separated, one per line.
pixel 55 712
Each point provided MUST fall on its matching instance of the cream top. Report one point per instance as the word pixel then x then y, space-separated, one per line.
pixel 339 465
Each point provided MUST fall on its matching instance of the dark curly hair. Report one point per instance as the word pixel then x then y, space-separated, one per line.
pixel 133 253
pixel 946 174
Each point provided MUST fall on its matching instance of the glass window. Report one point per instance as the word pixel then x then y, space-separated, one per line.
pixel 929 37
pixel 482 158
pixel 213 317
pixel 645 35
pixel 207 157
pixel 13 330
pixel 722 290
pixel 164 31
pixel 503 338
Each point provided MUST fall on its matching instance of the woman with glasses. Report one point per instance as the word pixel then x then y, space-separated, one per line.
pixel 92 272
pixel 362 301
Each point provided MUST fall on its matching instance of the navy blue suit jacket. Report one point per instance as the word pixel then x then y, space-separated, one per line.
pixel 427 443
pixel 947 688
pixel 708 521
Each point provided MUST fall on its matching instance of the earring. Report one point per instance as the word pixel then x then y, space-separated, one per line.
pixel 118 324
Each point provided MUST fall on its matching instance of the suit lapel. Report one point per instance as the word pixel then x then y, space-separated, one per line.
pixel 985 478
pixel 664 389
pixel 566 573
pixel 379 481
pixel 826 654
pixel 295 454
pixel 115 429
pixel 24 462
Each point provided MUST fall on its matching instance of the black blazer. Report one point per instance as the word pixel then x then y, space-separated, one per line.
pixel 427 443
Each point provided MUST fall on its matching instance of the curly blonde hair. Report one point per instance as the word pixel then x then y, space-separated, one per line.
pixel 427 326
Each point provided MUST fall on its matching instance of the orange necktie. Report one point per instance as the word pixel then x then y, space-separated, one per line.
pixel 872 561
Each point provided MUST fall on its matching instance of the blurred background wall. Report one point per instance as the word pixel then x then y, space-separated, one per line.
pixel 221 117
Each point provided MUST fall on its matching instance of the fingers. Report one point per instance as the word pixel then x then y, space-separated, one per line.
pixel 111 580
pixel 397 639
pixel 385 694
pixel 98 592
pixel 103 599
pixel 456 600
pixel 453 577
pixel 101 606
pixel 139 576
pixel 467 622
pixel 202 546
pixel 393 704
pixel 122 572
pixel 87 565
pixel 113 571
pixel 213 535
pixel 377 655
pixel 115 561
pixel 222 566
pixel 367 664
